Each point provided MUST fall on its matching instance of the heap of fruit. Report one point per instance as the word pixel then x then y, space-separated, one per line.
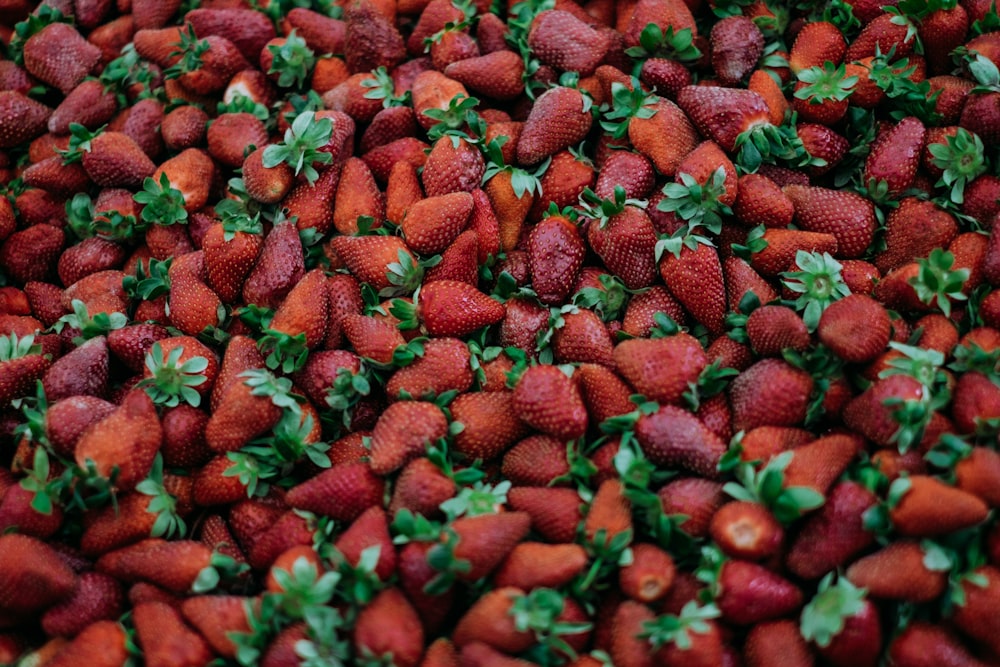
pixel 448 332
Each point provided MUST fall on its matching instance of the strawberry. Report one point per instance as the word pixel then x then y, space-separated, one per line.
pixel 546 399
pixel 65 420
pixel 773 329
pixel 737 44
pixel 770 393
pixel 372 338
pixel 497 75
pixel 974 469
pixel 880 35
pixel 22 364
pixel 184 128
pixel 59 56
pixel 840 523
pixel 924 644
pixel 98 597
pixel 555 254
pixel 868 413
pixel 533 565
pixel 583 338
pixel 722 114
pixel 444 366
pixel 280 265
pixel 165 639
pixel 759 201
pixel 694 277
pixel 101 644
pixel 912 230
pixel 21 118
pixel 856 328
pixel 972 618
pixel 402 432
pixel 126 440
pixel 559 118
pixel 847 216
pixel 746 530
pixel 844 626
pixel 357 194
pixel 650 574
pixel 230 248
pixel 627 647
pixel 371 40
pixel 560 39
pixel 449 308
pixel 484 540
pixel 88 105
pixel 421 487
pixel 35 577
pixel 112 159
pixel 143 561
pixel 82 371
pixel 895 155
pixel 903 570
pixel 816 43
pixel 604 392
pixel 459 261
pixel 776 643
pixel 923 506
pixel 372 258
pixel 626 245
pixel 368 530
pixel 674 437
pixel 342 492
pixel 16 512
pixel 218 618
pixel 321 33
pixel 390 625
pixel 230 134
pixel 555 512
pixel 193 305
pixel 661 368
pixel 749 593
pixel 432 224
pixel 490 620
pixel 189 173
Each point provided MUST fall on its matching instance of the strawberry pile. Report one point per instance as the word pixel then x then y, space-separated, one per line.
pixel 448 332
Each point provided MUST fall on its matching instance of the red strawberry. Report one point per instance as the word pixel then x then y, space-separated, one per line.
pixel 421 487
pixel 402 432
pixel 165 639
pixel 21 118
pixel 390 625
pixel 453 165
pixel 230 252
pixel 868 414
pixel 450 308
pixel 342 492
pixel 486 539
pixel 696 498
pixel 17 513
pixel 249 30
pixel 924 644
pixel 928 507
pixel 770 393
pixel 856 328
pixel 35 576
pixel 432 224
pixel 102 644
pixel 280 265
pixel 497 75
pixel 193 305
pixel 900 571
pixel 661 369
pixel 815 44
pixel 746 530
pixel 722 114
pixel 849 217
pixel 835 533
pixel 371 40
pixel 218 618
pixel 737 44
pixel 895 155
pixel 776 643
pixel 82 371
pixel 562 40
pixel 694 276
pixel 546 399
pixel 772 329
pixel 650 574
pixel 759 201
pixel 535 565
pixel 626 245
pixel 59 56
pixel 97 598
pixel 369 258
pixel 674 437
pixel 444 366
pixel 372 338
pixel 882 34
pixel 555 254
pixel 555 512
pixel 913 229
pixel 490 620
pixel 126 440
pixel 357 194
pixel 749 593
pixel 368 530
pixel 22 364
pixel 559 118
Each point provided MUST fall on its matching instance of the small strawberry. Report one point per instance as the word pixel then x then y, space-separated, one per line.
pixel 59 56
pixel 546 399
pixel 849 217
pixel 448 308
pixel 35 576
pixel 843 624
pixel 923 506
pixel 23 364
pixel 841 526
pixel 342 492
pixel 904 570
pixel 559 118
pixel 924 644
pixel 101 644
pixel 390 625
pixel 772 392
pixel 555 255
pixel 432 224
pixel 746 530
pixel 403 432
pixel 816 43
pixel 97 598
pixel 776 642
pixel 650 574
pixel 737 44
pixel 661 369
pixel 533 565
pixel 165 639
pixel 674 437
pixel 555 512
pixel 280 265
pixel 856 328
pixel 125 441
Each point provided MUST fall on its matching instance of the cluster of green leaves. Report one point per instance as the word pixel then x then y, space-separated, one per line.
pixel 162 204
pixel 962 159
pixel 127 72
pixel 171 382
pixel 937 283
pixel 191 51
pixel 89 327
pixel 84 222
pixel 766 486
pixel 626 103
pixel 293 61
pixel 301 147
pixel 382 87
pixel 163 504
pixel 914 415
pixel 522 181
pixel 818 282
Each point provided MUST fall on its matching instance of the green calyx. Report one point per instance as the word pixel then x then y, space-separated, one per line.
pixel 937 284
pixel 823 618
pixel 827 83
pixel 655 43
pixel 818 282
pixel 162 204
pixel 172 382
pixel 300 147
pixel 292 61
pixel 168 522
pixel 767 487
pixel 670 629
pixel 962 158
pixel 627 103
